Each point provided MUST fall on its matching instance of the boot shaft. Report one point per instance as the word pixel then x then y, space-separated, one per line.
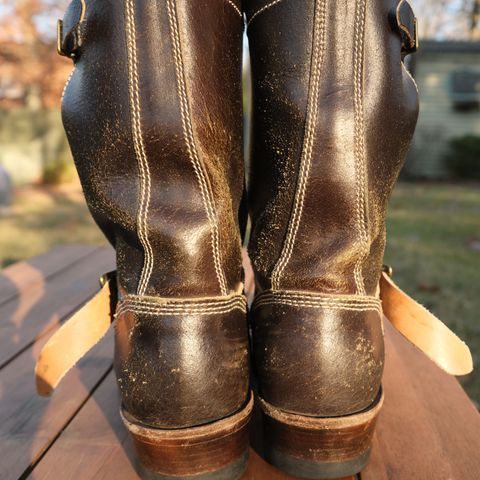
pixel 153 113
pixel 334 112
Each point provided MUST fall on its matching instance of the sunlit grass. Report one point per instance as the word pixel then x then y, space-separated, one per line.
pixel 434 247
pixel 42 218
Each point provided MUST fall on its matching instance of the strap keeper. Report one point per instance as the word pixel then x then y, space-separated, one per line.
pixel 406 25
pixel 70 30
pixel 69 45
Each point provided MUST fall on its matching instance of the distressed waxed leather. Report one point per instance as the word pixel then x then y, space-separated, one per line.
pixel 169 354
pixel 89 324
pixel 333 114
pixel 153 114
pixel 343 345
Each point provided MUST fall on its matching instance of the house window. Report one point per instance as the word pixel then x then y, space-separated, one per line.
pixel 465 90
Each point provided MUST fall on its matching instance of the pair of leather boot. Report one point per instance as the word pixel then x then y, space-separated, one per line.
pixel 153 113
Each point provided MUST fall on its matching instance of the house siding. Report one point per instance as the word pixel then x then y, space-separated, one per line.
pixel 438 120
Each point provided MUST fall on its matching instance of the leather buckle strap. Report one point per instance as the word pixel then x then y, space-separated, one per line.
pixel 70 30
pixel 87 326
pixel 405 24
pixel 423 329
pixel 76 336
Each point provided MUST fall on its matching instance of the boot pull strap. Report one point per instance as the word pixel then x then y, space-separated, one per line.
pixel 404 23
pixel 70 30
pixel 423 329
pixel 76 336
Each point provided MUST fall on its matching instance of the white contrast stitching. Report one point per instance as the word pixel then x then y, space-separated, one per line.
pixel 261 10
pixel 305 161
pixel 182 310
pixel 139 147
pixel 82 18
pixel 405 69
pixel 235 7
pixel 325 298
pixel 304 303
pixel 205 189
pixel 165 306
pixel 325 305
pixel 174 303
pixel 318 300
pixel 67 83
pixel 359 142
pixel 191 312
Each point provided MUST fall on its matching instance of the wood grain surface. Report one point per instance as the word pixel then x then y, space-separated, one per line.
pixel 428 429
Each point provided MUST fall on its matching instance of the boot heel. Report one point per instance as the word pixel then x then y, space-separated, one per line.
pixel 319 448
pixel 216 451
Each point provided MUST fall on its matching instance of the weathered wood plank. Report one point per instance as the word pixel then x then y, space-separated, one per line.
pixel 429 429
pixel 96 446
pixel 23 275
pixel 46 302
pixel 28 423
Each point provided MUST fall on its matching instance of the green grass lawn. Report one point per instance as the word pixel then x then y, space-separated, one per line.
pixel 433 246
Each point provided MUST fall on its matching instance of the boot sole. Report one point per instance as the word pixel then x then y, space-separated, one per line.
pixel 319 448
pixel 216 451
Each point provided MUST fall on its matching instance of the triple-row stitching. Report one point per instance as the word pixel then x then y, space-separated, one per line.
pixel 139 147
pixel 135 300
pixel 185 313
pixel 205 188
pixel 232 4
pixel 181 310
pixel 307 149
pixel 182 307
pixel 319 304
pixel 321 298
pixel 261 10
pixel 359 144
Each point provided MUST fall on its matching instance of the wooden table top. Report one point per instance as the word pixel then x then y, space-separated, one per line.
pixel 428 428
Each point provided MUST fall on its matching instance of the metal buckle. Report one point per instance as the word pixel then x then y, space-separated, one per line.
pixel 407 27
pixel 60 50
pixel 388 270
pixel 415 43
pixel 69 43
pixel 107 277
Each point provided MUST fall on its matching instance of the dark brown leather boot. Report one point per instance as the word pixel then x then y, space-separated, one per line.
pixel 153 113
pixel 334 110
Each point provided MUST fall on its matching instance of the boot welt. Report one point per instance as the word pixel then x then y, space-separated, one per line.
pixel 319 447
pixel 216 451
